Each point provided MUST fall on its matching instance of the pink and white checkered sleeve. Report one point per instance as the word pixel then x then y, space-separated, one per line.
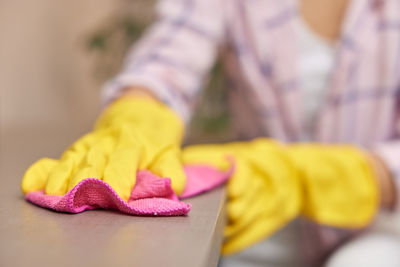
pixel 175 54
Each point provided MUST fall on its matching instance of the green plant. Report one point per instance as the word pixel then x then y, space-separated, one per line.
pixel 111 42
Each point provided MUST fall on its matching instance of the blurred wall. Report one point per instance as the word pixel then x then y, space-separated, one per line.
pixel 46 74
pixel 47 79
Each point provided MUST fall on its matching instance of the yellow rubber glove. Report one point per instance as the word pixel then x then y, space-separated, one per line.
pixel 274 183
pixel 132 133
pixel 263 193
pixel 340 185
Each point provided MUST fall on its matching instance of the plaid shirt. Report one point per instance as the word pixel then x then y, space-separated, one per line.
pixel 257 42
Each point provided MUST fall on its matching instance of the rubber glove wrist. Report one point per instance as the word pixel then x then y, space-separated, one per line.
pixel 150 116
pixel 340 185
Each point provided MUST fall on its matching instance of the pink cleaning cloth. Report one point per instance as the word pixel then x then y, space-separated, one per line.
pixel 151 196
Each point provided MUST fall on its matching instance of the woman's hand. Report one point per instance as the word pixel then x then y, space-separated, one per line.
pixel 133 133
pixel 273 183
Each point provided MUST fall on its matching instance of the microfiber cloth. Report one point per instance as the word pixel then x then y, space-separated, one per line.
pixel 151 196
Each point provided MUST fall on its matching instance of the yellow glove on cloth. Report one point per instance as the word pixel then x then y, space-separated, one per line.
pixel 133 133
pixel 274 183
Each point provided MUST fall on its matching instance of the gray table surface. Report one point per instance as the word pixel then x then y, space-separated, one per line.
pixel 37 237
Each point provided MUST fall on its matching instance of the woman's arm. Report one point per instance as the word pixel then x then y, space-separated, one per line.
pixel 175 54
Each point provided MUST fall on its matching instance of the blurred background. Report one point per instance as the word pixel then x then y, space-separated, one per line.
pixel 55 56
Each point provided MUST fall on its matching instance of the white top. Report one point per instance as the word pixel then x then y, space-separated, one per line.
pixel 315 66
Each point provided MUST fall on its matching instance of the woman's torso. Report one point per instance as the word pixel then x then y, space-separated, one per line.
pixel 266 89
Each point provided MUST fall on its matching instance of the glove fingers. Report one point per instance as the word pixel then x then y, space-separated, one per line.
pixel 120 172
pixel 35 177
pixel 59 175
pixel 57 183
pixel 93 165
pixel 238 185
pixel 169 164
pixel 70 161
pixel 238 205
